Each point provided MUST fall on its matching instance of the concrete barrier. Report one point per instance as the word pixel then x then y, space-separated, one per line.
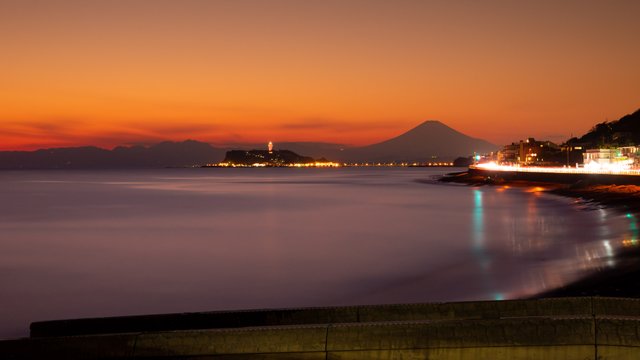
pixel 571 328
pixel 299 339
pixel 193 321
pixel 477 309
pixel 559 178
pixel 117 346
pixel 462 334
pixel 308 316
pixel 616 306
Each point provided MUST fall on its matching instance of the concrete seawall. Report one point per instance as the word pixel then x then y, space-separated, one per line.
pixel 559 178
pixel 566 328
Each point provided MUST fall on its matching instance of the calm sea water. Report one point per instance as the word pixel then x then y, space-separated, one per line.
pixel 105 243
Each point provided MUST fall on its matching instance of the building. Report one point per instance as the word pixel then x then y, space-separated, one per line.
pixel 529 152
pixel 610 159
pixel 509 154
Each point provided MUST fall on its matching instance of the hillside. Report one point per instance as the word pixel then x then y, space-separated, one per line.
pixel 622 132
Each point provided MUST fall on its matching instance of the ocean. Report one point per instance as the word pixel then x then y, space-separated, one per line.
pixel 108 243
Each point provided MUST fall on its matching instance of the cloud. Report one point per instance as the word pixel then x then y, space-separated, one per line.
pixel 188 128
pixel 342 125
pixel 21 135
pixel 307 125
pixel 32 134
pixel 30 127
pixel 56 132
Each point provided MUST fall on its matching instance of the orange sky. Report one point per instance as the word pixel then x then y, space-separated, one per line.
pixel 106 73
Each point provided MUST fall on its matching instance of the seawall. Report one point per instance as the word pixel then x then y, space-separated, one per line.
pixel 558 178
pixel 563 328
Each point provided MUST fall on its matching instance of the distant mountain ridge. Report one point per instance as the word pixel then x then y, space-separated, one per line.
pixel 427 141
pixel 164 154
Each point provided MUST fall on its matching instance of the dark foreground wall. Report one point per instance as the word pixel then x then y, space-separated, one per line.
pixel 604 179
pixel 569 328
pixel 310 316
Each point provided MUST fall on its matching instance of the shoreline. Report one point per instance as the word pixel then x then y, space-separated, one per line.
pixel 623 280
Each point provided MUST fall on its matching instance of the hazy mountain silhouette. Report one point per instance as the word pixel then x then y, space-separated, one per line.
pixel 427 141
pixel 164 154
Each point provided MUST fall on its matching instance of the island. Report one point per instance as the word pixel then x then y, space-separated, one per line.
pixel 270 158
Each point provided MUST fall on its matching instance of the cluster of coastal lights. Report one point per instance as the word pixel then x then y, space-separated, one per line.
pixel 297 165
pixel 326 164
pixel 331 164
pixel 591 168
pixel 401 164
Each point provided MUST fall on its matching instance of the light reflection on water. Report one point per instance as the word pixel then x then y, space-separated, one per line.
pixel 101 243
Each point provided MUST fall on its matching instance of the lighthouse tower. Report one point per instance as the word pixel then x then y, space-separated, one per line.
pixel 270 147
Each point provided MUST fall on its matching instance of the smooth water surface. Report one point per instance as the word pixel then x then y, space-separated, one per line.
pixel 105 243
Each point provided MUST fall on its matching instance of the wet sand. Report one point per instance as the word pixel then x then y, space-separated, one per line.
pixel 623 280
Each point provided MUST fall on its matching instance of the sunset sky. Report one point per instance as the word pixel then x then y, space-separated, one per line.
pixel 115 72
